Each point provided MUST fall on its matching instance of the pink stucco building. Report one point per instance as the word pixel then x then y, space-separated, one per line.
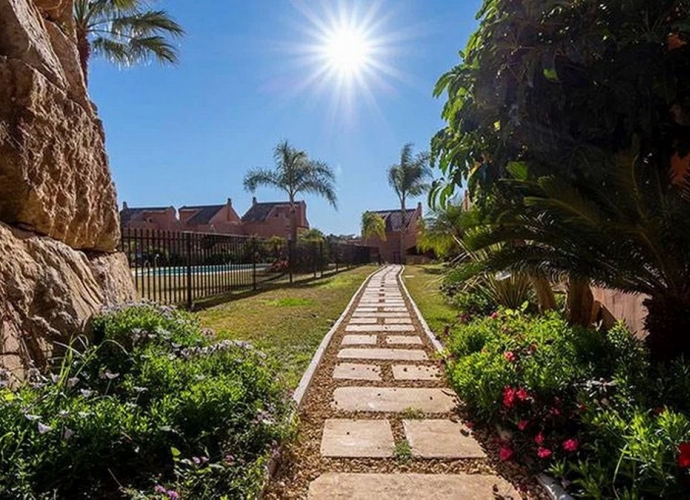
pixel 390 248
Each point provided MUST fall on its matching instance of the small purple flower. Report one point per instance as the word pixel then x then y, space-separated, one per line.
pixel 229 459
pixel 196 460
pixel 42 428
pixel 85 392
pixel 173 495
pixel 160 489
pixel 31 417
pixel 55 378
pixel 71 382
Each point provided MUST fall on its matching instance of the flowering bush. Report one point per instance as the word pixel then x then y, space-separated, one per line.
pixel 154 408
pixel 584 403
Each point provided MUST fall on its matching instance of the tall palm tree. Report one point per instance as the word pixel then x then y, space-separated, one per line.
pixel 294 173
pixel 124 31
pixel 409 179
pixel 373 225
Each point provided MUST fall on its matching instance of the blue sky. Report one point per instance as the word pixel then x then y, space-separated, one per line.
pixel 186 135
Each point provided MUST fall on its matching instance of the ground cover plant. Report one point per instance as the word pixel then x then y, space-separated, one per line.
pixel 585 404
pixel 154 407
pixel 287 324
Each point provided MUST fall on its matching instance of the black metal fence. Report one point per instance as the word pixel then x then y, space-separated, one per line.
pixel 171 267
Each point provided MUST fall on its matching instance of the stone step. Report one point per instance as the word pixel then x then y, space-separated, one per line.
pixel 346 438
pixel 354 486
pixel 393 399
pixel 397 321
pixel 363 321
pixel 383 354
pixel 359 340
pixel 379 328
pixel 403 340
pixel 440 438
pixel 357 371
pixel 379 315
pixel 416 372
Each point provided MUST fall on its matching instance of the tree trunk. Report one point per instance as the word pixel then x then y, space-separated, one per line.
pixel 293 221
pixel 84 49
pixel 545 299
pixel 580 302
pixel 402 231
pixel 668 325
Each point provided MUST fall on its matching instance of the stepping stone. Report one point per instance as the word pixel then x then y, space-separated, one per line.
pixel 363 321
pixel 398 321
pixel 394 309
pixel 379 328
pixel 353 486
pixel 384 354
pixel 390 399
pixel 357 438
pixel 367 314
pixel 416 372
pixel 359 340
pixel 441 439
pixel 356 371
pixel 365 310
pixel 403 340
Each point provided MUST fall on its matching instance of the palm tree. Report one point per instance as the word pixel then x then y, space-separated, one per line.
pixel 123 31
pixel 408 179
pixel 294 173
pixel 441 232
pixel 373 225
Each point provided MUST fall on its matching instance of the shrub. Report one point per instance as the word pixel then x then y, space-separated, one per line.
pixel 153 407
pixel 585 403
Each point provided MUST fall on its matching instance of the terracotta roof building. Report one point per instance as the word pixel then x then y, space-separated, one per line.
pixel 211 219
pixel 268 219
pixel 390 248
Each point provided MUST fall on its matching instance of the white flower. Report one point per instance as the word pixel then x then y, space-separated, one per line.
pixel 42 428
pixel 67 435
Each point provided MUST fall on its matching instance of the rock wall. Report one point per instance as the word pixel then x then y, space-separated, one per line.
pixel 59 225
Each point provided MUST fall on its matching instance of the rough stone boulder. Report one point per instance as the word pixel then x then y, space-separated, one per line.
pixel 54 175
pixel 48 292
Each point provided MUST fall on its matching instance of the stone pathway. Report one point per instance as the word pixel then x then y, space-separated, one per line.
pixel 388 402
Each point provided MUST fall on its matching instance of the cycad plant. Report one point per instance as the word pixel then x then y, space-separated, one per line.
pixel 126 32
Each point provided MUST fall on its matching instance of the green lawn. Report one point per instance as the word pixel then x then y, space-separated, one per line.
pixel 288 323
pixel 423 282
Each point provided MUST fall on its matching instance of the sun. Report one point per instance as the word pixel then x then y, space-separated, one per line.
pixel 347 51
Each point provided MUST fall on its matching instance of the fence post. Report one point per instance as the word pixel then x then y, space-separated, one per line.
pixel 253 263
pixel 335 248
pixel 321 259
pixel 315 254
pixel 291 255
pixel 188 241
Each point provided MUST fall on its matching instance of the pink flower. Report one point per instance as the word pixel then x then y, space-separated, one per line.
pixel 160 489
pixel 555 412
pixel 684 455
pixel 494 315
pixel 173 495
pixel 539 438
pixel 522 424
pixel 510 356
pixel 506 453
pixel 522 394
pixel 543 452
pixel 469 425
pixel 508 397
pixel 571 445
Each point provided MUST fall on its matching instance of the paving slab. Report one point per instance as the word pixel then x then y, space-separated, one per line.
pixel 441 439
pixel 416 372
pixel 354 486
pixel 367 314
pixel 357 438
pixel 393 399
pixel 362 321
pixel 397 321
pixel 357 371
pixel 403 340
pixel 359 340
pixel 379 328
pixel 394 309
pixel 383 354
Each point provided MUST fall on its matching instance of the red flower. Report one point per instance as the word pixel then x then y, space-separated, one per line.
pixel 508 397
pixel 571 445
pixel 510 356
pixel 684 455
pixel 543 452
pixel 506 453
pixel 539 438
pixel 522 394
pixel 494 315
pixel 469 425
pixel 522 424
pixel 555 411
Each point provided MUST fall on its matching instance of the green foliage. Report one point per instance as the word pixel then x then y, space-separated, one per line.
pixel 154 402
pixel 565 119
pixel 372 224
pixel 587 404
pixel 124 31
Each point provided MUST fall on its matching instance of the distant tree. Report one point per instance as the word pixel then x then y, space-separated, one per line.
pixel 409 179
pixel 124 31
pixel 312 235
pixel 373 225
pixel 294 173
